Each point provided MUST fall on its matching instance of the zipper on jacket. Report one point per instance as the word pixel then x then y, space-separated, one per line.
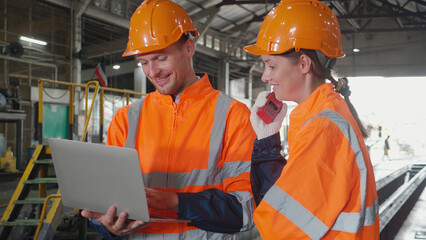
pixel 170 143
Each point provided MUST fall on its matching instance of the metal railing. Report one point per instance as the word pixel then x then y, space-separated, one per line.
pixel 398 193
pixel 71 88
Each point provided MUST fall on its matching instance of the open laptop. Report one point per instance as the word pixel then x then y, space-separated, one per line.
pixel 96 176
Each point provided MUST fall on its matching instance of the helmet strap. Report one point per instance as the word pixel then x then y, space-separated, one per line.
pixel 325 61
pixel 190 34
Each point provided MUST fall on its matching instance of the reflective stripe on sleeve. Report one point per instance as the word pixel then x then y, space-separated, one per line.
pixel 346 221
pixel 246 201
pixel 234 169
pixel 352 222
pixel 295 212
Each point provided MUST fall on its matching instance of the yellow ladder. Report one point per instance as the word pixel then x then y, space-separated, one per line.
pixel 36 173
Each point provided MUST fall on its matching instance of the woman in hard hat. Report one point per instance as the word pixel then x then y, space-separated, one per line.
pixel 326 190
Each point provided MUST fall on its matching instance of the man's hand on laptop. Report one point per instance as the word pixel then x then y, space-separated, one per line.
pixel 162 200
pixel 118 226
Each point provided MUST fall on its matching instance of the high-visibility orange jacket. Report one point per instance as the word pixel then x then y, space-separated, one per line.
pixel 327 188
pixel 199 147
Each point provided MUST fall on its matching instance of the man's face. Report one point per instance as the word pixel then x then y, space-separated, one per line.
pixel 169 69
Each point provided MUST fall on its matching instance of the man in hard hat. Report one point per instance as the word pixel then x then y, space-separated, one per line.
pixel 194 142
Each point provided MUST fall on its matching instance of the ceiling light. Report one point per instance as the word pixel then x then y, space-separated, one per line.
pixel 32 40
pixel 356 50
pixel 116 67
pixel 139 64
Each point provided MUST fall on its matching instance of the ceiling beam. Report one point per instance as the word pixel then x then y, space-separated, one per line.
pixel 209 22
pixel 246 21
pixel 377 30
pixel 95 12
pixel 237 42
pixel 399 9
pixel 343 12
pixel 236 2
pixel 386 15
pixel 205 12
pixel 82 7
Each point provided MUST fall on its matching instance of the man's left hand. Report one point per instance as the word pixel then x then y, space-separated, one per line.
pixel 162 200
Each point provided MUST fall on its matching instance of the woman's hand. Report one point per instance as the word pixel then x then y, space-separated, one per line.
pixel 262 129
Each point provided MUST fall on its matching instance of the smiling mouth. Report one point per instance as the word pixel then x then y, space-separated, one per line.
pixel 274 87
pixel 162 81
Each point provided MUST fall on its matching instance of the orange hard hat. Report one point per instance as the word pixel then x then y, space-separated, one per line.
pixel 307 24
pixel 155 25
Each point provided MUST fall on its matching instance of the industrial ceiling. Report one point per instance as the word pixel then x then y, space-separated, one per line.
pixel 390 34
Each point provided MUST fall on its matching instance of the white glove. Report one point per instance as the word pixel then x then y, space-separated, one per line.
pixel 262 129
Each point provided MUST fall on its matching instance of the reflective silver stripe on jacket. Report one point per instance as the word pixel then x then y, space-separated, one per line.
pixel 295 212
pixel 179 180
pixel 188 235
pixel 346 221
pixel 212 175
pixel 133 117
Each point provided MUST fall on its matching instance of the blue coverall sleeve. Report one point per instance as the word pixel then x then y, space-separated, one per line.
pixel 211 210
pixel 266 165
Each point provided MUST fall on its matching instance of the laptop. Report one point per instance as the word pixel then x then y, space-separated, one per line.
pixel 96 176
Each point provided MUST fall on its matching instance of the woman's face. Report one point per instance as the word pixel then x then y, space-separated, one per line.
pixel 285 77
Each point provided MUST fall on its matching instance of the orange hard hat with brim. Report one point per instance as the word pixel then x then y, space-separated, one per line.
pixel 296 24
pixel 157 24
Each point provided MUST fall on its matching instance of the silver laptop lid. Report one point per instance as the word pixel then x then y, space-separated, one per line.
pixel 95 177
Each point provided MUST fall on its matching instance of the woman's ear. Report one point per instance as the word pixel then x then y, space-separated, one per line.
pixel 304 63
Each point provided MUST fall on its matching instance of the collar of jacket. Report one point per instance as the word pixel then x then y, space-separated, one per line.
pixel 323 97
pixel 197 90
